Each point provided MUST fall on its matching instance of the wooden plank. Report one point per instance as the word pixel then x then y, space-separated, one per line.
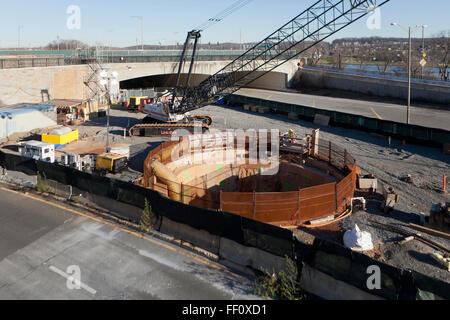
pixel 432 232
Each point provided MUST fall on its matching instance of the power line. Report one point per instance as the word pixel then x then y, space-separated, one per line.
pixel 223 14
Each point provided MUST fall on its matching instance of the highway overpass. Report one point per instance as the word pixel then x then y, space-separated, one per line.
pixel 18 85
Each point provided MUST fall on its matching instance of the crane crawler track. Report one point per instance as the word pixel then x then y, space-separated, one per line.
pixel 152 130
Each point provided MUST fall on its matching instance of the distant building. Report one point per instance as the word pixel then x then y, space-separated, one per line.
pixel 25 118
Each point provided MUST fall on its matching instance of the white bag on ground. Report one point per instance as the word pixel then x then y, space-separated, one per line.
pixel 357 240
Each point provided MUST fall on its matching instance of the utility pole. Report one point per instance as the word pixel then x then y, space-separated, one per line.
pixel 409 30
pixel 241 38
pixel 142 30
pixel 423 48
pixel 409 78
pixel 18 37
pixel 107 80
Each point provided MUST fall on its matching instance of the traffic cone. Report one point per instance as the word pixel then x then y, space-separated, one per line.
pixel 444 184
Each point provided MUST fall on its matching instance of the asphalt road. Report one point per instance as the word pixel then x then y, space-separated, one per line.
pixel 42 245
pixel 382 109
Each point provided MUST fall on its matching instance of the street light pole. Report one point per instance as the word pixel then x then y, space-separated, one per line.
pixel 409 30
pixel 142 29
pixel 18 40
pixel 409 78
pixel 423 48
pixel 107 80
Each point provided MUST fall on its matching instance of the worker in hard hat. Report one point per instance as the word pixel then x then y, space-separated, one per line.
pixel 291 136
pixel 288 137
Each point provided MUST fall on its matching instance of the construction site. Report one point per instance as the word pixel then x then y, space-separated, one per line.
pixel 241 164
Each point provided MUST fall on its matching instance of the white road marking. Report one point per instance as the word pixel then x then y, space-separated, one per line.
pixel 77 282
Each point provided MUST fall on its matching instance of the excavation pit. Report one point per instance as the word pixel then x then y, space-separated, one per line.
pixel 306 181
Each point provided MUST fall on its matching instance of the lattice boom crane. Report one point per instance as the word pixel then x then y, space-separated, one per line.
pixel 320 21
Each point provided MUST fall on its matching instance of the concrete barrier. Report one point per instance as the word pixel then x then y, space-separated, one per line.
pixel 372 85
pixel 322 120
pixel 327 287
pixel 122 210
pixel 198 238
pixel 250 257
pixel 411 133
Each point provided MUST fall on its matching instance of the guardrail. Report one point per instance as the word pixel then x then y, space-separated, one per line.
pixel 412 133
pixel 119 56
pixel 12 63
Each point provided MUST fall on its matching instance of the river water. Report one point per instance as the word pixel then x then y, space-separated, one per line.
pixel 392 72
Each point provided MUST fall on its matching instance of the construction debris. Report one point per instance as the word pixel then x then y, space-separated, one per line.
pixel 440 216
pixel 358 240
pixel 408 179
pixel 439 258
pixel 417 236
pixel 406 240
pixel 391 200
pixel 430 231
pixel 367 182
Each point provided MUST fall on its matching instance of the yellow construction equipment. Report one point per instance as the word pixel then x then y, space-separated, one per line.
pixel 135 102
pixel 111 163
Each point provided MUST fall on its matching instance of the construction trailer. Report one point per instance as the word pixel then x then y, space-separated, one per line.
pixel 22 118
pixel 61 136
pixel 75 111
pixel 84 156
pixel 79 162
pixel 38 150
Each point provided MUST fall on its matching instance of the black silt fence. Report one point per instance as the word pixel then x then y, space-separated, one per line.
pixel 328 257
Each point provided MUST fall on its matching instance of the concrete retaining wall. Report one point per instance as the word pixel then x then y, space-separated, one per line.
pixel 327 287
pixel 250 257
pixel 199 238
pixel 67 82
pixel 381 87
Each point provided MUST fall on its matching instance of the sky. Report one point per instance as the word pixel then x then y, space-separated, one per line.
pixel 167 22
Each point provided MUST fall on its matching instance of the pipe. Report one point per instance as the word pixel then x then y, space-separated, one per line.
pixel 168 178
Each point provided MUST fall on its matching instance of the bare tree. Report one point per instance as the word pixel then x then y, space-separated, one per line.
pixel 336 59
pixel 66 45
pixel 315 57
pixel 385 56
pixel 440 54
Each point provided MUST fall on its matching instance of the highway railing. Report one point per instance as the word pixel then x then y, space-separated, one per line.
pixel 114 57
pixel 408 132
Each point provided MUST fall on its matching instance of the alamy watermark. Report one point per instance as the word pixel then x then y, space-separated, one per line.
pixel 73 278
pixel 231 147
pixel 74 19
pixel 373 21
pixel 374 280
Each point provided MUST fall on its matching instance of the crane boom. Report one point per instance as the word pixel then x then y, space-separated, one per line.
pixel 320 21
